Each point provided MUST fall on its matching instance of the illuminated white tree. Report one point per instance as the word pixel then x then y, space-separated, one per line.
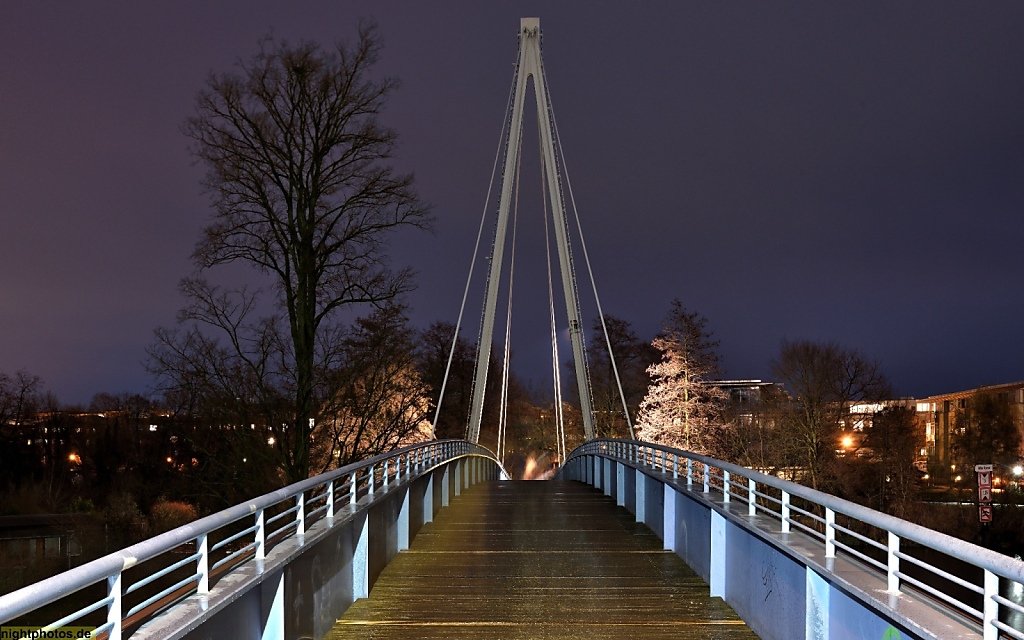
pixel 682 408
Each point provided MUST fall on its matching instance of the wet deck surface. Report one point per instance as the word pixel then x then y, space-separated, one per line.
pixel 538 560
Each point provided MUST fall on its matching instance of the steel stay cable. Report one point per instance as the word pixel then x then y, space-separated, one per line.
pixel 503 412
pixel 556 374
pixel 476 249
pixel 586 258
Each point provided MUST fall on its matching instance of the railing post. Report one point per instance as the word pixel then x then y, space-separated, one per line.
pixel 330 498
pixel 369 481
pixel 114 592
pixel 830 533
pixel 300 514
pixel 385 474
pixel 725 486
pixel 785 512
pixel 990 609
pixel 352 493
pixel 689 472
pixel 203 549
pixel 751 497
pixel 894 563
pixel 675 466
pixel 261 536
pixel 707 479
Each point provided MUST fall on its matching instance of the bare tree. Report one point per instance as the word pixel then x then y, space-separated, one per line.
pixel 681 408
pixel 18 396
pixel 822 381
pixel 633 358
pixel 986 432
pixel 895 441
pixel 755 435
pixel 435 346
pixel 379 401
pixel 19 456
pixel 302 191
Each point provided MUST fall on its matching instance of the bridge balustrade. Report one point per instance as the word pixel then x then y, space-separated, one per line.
pixel 238 560
pixel 834 566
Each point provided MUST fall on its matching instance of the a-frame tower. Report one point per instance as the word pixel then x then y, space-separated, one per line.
pixel 531 65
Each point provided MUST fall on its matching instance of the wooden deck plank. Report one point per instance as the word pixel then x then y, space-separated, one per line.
pixel 538 560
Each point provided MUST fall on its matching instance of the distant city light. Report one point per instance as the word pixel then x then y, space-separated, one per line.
pixel 271 440
pixel 169 460
pixel 847 442
pixel 1018 470
pixel 957 479
pixel 867 407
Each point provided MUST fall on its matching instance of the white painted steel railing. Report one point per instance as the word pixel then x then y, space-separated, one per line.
pixel 219 543
pixel 844 528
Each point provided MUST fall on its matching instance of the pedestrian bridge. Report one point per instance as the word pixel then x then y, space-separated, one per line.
pixel 630 539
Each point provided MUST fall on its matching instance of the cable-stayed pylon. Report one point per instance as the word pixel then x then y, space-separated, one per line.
pixel 530 65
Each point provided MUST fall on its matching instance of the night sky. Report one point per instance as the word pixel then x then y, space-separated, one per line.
pixel 851 172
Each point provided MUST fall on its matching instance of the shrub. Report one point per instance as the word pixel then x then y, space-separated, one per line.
pixel 166 515
pixel 81 505
pixel 124 517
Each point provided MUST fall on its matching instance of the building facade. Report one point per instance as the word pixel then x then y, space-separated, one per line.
pixel 938 415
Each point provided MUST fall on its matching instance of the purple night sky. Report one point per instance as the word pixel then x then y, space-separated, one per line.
pixel 832 171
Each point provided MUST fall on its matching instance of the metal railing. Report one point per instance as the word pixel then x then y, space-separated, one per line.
pixel 219 543
pixel 866 536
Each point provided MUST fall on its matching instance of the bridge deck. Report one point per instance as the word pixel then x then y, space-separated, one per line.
pixel 538 560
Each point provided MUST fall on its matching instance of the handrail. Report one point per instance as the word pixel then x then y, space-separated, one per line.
pixel 357 480
pixel 681 464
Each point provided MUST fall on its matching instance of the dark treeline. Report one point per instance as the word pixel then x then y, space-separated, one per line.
pixel 143 464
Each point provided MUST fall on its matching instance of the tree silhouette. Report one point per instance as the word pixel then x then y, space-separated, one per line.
pixel 298 169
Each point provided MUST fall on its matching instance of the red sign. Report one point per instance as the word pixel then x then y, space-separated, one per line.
pixel 984 494
pixel 985 513
pixel 984 478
